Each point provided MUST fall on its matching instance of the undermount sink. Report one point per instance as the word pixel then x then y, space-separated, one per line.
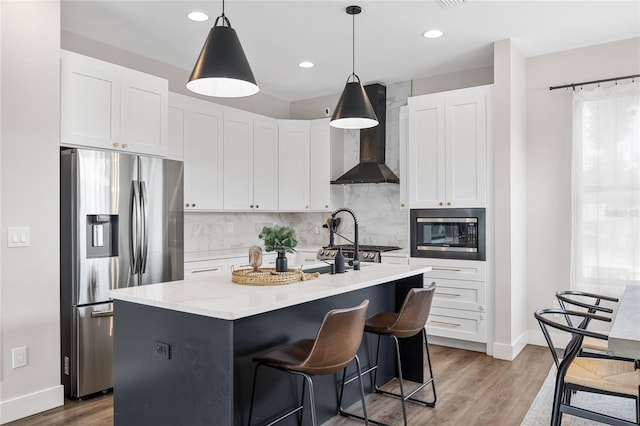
pixel 325 269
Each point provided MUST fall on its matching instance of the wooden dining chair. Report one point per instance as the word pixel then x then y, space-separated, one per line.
pixel 595 375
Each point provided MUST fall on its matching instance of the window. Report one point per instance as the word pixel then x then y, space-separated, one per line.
pixel 606 188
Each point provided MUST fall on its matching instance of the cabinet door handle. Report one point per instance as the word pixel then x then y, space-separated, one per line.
pixel 448 294
pixel 197 271
pixel 446 269
pixel 452 324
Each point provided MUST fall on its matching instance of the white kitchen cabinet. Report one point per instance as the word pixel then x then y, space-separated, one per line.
pixel 205 268
pixel 320 166
pixel 112 107
pixel 293 165
pixel 238 161
pixel 198 124
pixel 404 158
pixel 459 304
pixel 250 162
pixel 447 148
pixel 175 130
pixel 265 164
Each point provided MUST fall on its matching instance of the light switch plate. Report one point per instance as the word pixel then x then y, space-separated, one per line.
pixel 19 237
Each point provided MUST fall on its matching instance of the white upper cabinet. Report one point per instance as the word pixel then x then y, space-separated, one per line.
pixel 198 124
pixel 320 165
pixel 238 161
pixel 108 106
pixel 404 158
pixel 293 165
pixel 250 162
pixel 447 148
pixel 265 164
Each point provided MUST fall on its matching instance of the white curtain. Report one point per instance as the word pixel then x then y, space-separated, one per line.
pixel 605 249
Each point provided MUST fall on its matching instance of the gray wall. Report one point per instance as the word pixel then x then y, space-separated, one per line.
pixel 29 196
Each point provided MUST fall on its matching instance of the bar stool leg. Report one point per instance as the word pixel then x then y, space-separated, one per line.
pixel 301 414
pixel 400 380
pixel 364 404
pixel 431 378
pixel 312 400
pixel 253 392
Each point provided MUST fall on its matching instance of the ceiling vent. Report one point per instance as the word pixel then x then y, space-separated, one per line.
pixel 449 3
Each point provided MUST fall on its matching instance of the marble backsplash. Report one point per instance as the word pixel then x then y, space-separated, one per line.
pixel 380 219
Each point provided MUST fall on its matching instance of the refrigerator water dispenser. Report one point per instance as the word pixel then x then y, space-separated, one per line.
pixel 102 235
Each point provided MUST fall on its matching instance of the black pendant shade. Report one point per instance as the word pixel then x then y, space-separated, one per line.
pixel 222 68
pixel 354 110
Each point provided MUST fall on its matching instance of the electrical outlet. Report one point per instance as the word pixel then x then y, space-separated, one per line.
pixel 163 350
pixel 19 357
pixel 229 226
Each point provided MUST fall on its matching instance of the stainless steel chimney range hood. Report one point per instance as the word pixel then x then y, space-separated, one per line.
pixel 372 168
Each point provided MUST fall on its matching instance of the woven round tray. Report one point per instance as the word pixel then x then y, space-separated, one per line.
pixel 269 276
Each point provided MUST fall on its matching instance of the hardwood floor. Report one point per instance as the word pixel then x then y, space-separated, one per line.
pixel 472 388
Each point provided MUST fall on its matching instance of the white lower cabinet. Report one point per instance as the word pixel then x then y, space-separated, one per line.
pixel 458 310
pixel 205 268
pixel 457 324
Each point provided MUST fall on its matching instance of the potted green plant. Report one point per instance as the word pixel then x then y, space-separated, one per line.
pixel 281 239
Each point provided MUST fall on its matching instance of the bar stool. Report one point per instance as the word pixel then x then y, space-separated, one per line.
pixel 335 346
pixel 410 321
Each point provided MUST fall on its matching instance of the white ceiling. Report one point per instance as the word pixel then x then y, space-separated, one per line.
pixel 277 35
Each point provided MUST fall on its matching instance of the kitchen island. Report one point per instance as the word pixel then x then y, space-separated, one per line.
pixel 183 350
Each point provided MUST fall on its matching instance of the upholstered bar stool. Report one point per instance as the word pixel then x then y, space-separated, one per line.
pixel 410 321
pixel 334 347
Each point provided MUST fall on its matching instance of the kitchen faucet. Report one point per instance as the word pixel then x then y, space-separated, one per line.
pixel 356 255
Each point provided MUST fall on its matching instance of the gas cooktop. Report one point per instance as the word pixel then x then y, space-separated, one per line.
pixel 368 253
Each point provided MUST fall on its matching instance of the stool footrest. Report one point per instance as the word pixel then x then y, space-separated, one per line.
pixel 284 416
pixel 356 416
pixel 408 397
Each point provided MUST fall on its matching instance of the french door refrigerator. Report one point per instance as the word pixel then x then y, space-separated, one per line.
pixel 121 225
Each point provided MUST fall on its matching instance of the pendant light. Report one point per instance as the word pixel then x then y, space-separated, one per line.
pixel 222 68
pixel 354 110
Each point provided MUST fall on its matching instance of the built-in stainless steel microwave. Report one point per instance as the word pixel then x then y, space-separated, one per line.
pixel 448 233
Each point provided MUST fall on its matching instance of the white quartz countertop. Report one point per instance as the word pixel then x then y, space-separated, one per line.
pixel 218 297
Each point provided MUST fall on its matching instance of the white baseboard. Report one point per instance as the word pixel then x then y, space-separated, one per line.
pixel 30 404
pixel 509 352
pixel 458 344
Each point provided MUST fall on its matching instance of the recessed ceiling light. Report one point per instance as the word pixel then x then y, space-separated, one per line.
pixel 197 16
pixel 433 34
pixel 306 64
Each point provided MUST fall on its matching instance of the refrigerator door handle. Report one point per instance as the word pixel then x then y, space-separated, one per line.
pixel 134 224
pixel 144 203
pixel 99 314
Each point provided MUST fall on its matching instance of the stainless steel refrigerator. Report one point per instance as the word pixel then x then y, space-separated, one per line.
pixel 121 225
